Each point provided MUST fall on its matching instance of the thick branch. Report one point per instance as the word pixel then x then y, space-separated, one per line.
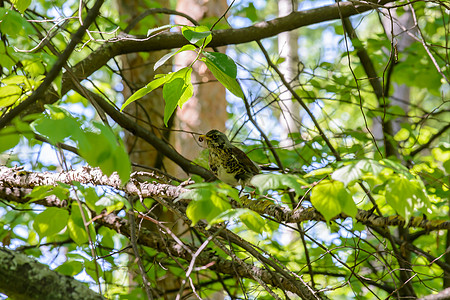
pixel 215 263
pixel 12 181
pixel 22 277
pixel 125 44
pixel 146 237
pixel 151 138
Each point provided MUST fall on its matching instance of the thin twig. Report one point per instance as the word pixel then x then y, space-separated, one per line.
pixel 192 263
pixel 302 103
pixel 56 68
pixel 133 241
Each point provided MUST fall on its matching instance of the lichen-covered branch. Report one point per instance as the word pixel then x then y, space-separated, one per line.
pixel 13 181
pixel 22 277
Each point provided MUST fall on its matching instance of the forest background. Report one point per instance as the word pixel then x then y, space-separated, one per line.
pixel 106 192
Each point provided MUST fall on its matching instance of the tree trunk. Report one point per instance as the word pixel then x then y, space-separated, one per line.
pixel 290 118
pixel 206 110
pixel 149 113
pixel 208 99
pixel 138 71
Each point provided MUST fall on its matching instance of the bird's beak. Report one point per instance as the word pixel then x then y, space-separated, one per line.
pixel 202 137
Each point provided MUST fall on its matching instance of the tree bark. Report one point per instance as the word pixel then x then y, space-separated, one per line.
pixel 24 278
pixel 209 94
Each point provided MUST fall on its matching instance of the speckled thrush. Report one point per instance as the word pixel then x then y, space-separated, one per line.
pixel 228 163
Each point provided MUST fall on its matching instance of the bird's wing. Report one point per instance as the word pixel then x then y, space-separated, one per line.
pixel 245 160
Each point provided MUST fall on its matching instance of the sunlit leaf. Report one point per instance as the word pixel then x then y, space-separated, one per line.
pixel 177 91
pixel 147 89
pixel 251 219
pixel 106 151
pixel 331 198
pixel 197 35
pixel 355 170
pixel 59 126
pixel 207 203
pixel 50 221
pixel 266 182
pixel 166 57
pixel 406 196
pixel 9 138
pixel 21 5
pixel 9 95
pixel 13 24
pixel 70 268
pixel 75 225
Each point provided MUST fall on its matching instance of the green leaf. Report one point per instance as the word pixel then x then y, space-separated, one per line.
pixel 446 166
pixel 7 61
pixel 147 89
pixel 70 268
pixel 222 62
pixel 13 24
pixel 9 95
pixel 397 167
pixel 197 35
pixel 76 227
pixel 264 182
pixel 406 195
pixel 355 171
pixel 319 172
pixel 107 236
pixel 34 67
pixel 396 111
pixel 9 138
pixel 60 191
pixel 251 12
pixel 90 197
pixel 21 5
pixel 106 151
pixel 166 57
pixel 198 210
pixel 91 270
pixel 331 198
pixel 110 203
pixel 207 202
pixel 251 219
pixel 58 126
pixel 347 203
pixel 50 221
pixel 55 130
pixel 229 82
pixel 40 192
pixel 177 91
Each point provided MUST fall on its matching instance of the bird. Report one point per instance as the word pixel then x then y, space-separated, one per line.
pixel 230 164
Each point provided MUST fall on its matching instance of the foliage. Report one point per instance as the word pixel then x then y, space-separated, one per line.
pixel 178 87
pixel 357 193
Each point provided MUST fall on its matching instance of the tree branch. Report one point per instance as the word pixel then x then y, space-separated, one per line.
pixel 12 181
pixel 125 44
pixel 56 68
pixel 22 277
